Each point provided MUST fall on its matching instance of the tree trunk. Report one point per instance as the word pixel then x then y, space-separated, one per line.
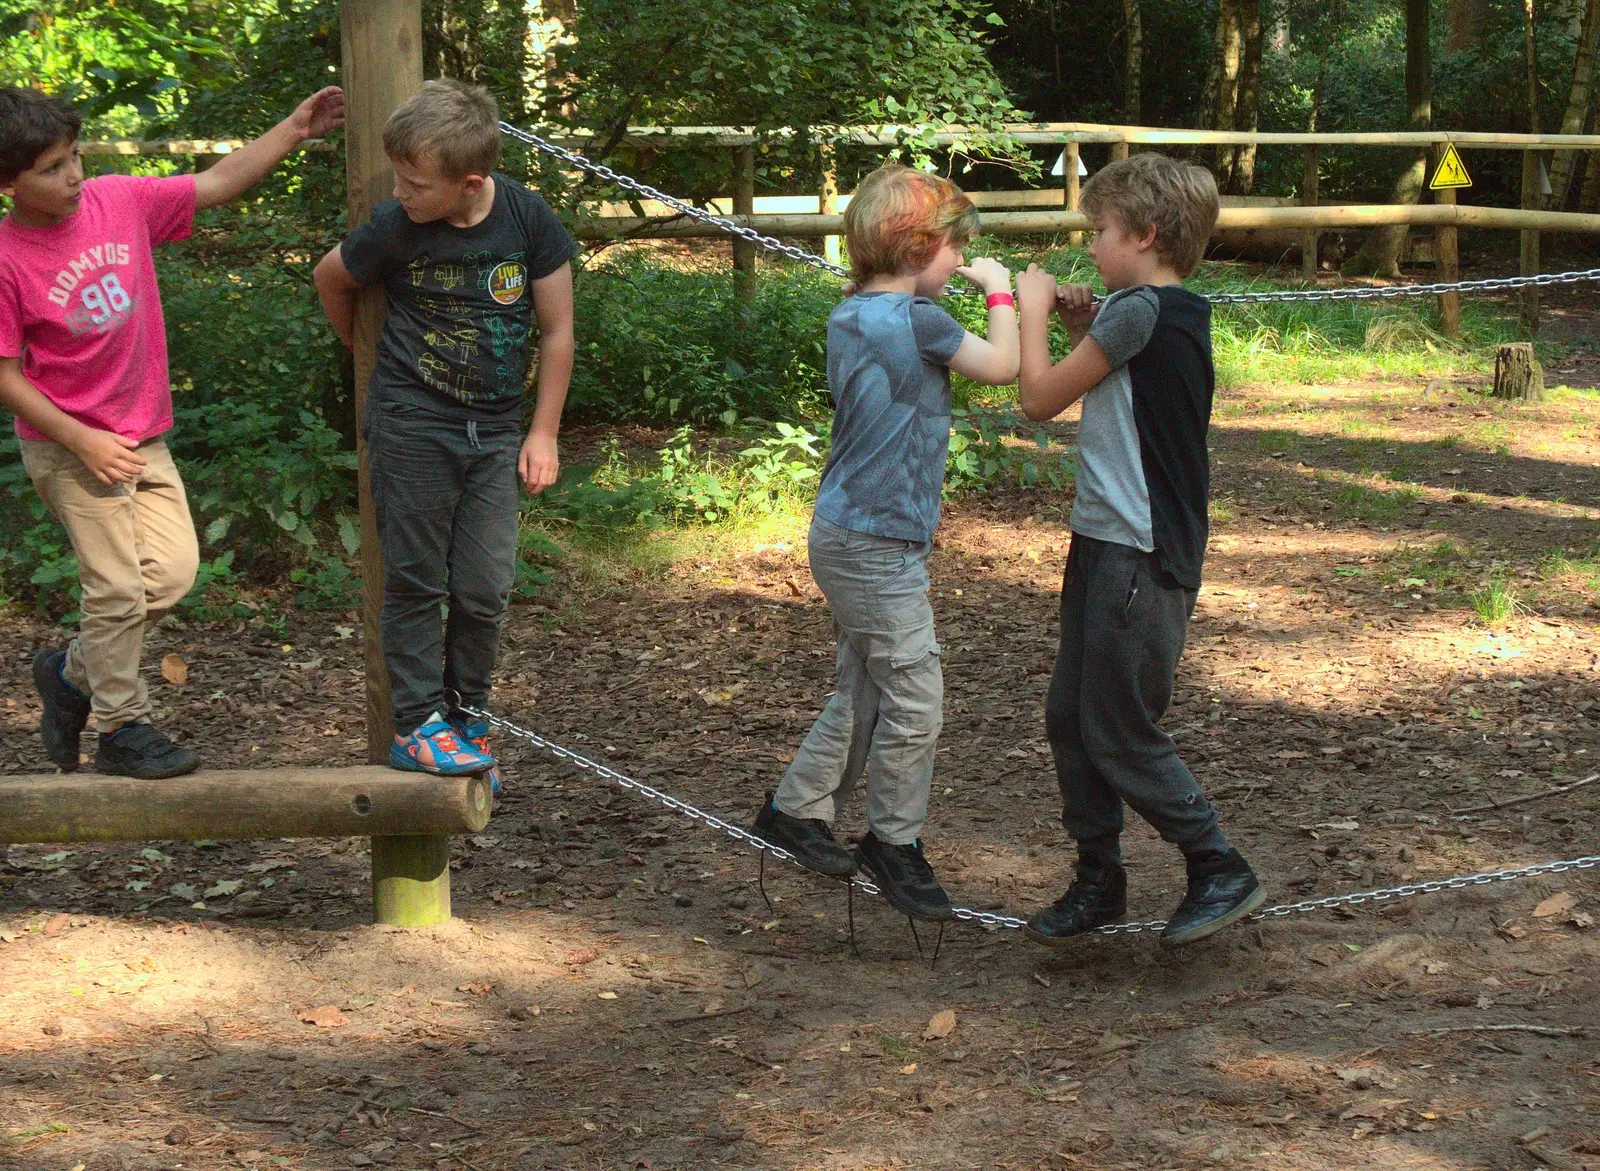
pixel 1589 197
pixel 1533 68
pixel 1222 83
pixel 1379 256
pixel 1247 110
pixel 1561 170
pixel 1135 54
pixel 1463 19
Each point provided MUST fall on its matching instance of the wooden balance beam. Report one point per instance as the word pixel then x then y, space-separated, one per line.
pixel 409 817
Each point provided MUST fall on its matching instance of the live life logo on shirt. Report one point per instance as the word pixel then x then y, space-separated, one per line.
pixel 95 302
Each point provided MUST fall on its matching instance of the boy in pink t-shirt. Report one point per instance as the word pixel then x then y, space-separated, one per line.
pixel 83 367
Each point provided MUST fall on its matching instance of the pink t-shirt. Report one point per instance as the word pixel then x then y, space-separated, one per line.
pixel 79 304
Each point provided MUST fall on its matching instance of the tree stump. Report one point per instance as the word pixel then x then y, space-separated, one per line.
pixel 1517 374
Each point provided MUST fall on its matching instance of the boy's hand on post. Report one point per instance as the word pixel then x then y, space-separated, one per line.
pixel 1036 290
pixel 539 463
pixel 1077 306
pixel 111 457
pixel 989 275
pixel 320 114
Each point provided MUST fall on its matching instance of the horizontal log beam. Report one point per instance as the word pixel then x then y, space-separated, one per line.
pixel 1044 222
pixel 241 803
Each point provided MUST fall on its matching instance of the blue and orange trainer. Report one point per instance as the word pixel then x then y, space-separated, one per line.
pixel 437 748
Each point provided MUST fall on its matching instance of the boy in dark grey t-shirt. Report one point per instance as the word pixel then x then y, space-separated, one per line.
pixel 1141 362
pixel 470 261
pixel 890 353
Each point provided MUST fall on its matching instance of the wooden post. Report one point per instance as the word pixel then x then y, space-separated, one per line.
pixel 382 63
pixel 744 204
pixel 411 881
pixel 1517 373
pixel 1119 150
pixel 1070 167
pixel 828 200
pixel 1448 265
pixel 1531 198
pixel 1308 198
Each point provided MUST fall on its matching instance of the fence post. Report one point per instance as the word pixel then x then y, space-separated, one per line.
pixel 744 204
pixel 1119 150
pixel 1448 261
pixel 828 201
pixel 1308 198
pixel 1531 198
pixel 1070 174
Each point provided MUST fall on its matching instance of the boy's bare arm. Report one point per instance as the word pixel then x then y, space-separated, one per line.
pixel 337 289
pixel 1044 391
pixel 539 463
pixel 990 361
pixel 111 457
pixel 236 173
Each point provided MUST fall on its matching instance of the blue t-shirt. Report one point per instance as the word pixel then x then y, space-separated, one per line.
pixel 889 374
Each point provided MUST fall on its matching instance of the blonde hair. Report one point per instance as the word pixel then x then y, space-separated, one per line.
pixel 899 218
pixel 455 124
pixel 1177 198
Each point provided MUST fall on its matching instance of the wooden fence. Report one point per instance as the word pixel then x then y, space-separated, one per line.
pixel 792 215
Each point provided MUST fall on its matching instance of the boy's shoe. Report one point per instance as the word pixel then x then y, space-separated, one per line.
pixel 476 733
pixel 436 748
pixel 809 839
pixel 145 752
pixel 1222 890
pixel 905 878
pixel 66 710
pixel 1098 896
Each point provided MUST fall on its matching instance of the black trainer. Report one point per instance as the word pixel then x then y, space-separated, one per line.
pixel 905 878
pixel 1098 895
pixel 143 751
pixel 66 710
pixel 809 839
pixel 1222 890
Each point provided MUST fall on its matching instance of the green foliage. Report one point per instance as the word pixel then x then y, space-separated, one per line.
pixel 981 457
pixel 661 345
pixel 1496 602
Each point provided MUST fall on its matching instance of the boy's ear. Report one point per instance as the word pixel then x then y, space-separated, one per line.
pixel 1148 240
pixel 472 184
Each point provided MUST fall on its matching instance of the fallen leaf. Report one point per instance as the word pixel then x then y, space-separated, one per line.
pixel 608 996
pixel 227 886
pixel 361 1001
pixel 1112 1043
pixel 1556 905
pixel 57 922
pixel 187 891
pixel 174 670
pixel 912 1068
pixel 326 1017
pixel 476 989
pixel 942 1025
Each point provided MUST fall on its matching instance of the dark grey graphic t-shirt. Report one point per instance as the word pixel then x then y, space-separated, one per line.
pixel 460 307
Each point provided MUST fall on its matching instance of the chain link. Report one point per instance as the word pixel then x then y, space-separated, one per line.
pixel 793 252
pixel 991 918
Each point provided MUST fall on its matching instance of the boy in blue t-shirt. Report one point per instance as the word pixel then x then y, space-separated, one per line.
pixel 1141 362
pixel 890 353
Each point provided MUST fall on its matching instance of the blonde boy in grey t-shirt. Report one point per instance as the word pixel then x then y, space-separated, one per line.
pixel 890 353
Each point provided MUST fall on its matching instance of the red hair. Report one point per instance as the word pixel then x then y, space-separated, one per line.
pixel 899 218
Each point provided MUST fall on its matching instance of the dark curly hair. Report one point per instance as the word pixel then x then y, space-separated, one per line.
pixel 31 123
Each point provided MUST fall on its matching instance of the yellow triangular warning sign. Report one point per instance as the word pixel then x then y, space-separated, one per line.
pixel 1450 172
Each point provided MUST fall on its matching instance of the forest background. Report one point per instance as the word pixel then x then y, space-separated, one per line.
pixel 265 416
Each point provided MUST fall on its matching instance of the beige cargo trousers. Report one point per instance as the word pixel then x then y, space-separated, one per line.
pixel 137 556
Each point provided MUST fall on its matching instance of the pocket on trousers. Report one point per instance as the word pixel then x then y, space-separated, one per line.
pixel 1134 594
pixel 915 651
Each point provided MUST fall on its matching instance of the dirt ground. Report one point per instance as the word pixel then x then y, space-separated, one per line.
pixel 615 994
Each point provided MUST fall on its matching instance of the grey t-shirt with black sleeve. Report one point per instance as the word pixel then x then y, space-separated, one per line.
pixel 1143 469
pixel 889 374
pixel 460 307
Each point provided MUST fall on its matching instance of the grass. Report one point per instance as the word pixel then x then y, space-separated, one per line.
pixel 1374 505
pixel 1570 563
pixel 1495 602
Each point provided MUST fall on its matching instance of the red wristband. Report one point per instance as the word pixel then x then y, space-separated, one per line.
pixel 1001 299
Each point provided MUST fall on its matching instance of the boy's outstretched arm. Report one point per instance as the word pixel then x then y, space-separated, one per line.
pixel 111 457
pixel 1043 390
pixel 539 463
pixel 236 173
pixel 337 290
pixel 990 361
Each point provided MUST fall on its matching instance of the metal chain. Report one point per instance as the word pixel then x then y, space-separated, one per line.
pixel 793 252
pixel 990 918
